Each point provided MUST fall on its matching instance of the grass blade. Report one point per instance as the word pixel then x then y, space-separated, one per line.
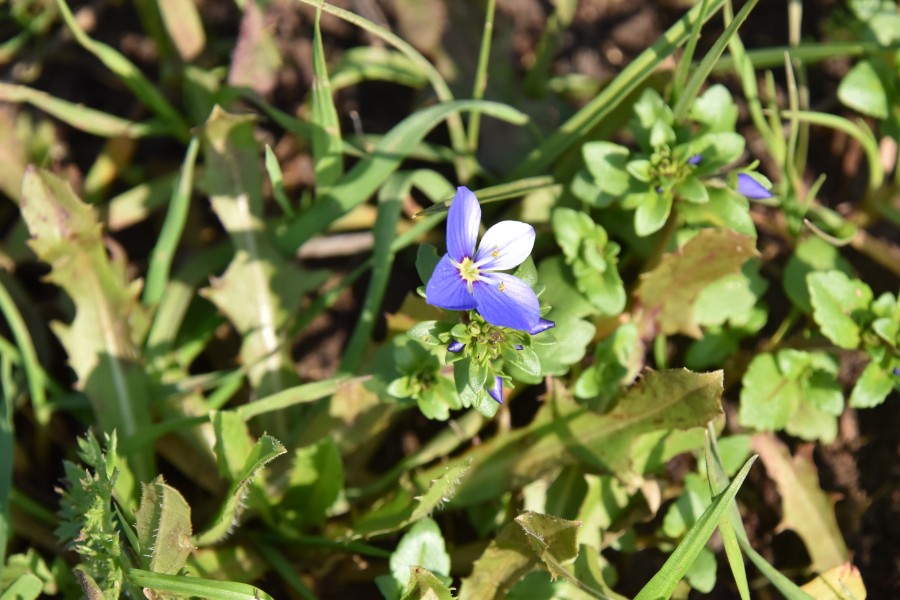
pixel 360 182
pixel 195 586
pixel 326 136
pixel 663 583
pixel 173 226
pixel 28 355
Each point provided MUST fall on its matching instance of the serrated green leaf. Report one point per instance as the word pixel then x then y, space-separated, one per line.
pixel 260 289
pixel 265 450
pixel 423 585
pixel 839 304
pixel 564 432
pixel 109 321
pixel 669 292
pixel 768 398
pixel 163 528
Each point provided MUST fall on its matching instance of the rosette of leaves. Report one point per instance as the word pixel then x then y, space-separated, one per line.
pixel 848 314
pixel 674 162
pixel 593 259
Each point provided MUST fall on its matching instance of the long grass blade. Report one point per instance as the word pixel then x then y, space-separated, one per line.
pixel 30 363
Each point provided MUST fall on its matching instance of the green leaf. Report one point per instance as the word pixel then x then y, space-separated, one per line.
pixel 195 586
pixel 838 304
pixel 316 480
pixel 426 260
pixel 872 387
pixel 652 212
pixel 326 138
pixel 163 528
pixel 65 233
pixel 617 361
pixel 715 109
pixel 260 290
pixel 24 587
pixel 806 509
pixel 423 585
pixel 811 254
pixel 607 162
pixel 564 432
pixel 725 209
pixel 731 298
pixel 265 450
pixel 718 150
pixel 768 398
pixel 233 443
pixel 668 293
pixel 702 574
pixel 862 90
pixel 663 583
pixel 692 189
pixel 533 541
pixel 421 546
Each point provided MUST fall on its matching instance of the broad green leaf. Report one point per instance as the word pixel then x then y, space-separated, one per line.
pixel 862 90
pixel 725 209
pixel 222 524
pixel 421 546
pixel 669 292
pixel 163 528
pixel 872 387
pixel 575 335
pixel 806 509
pixel 811 254
pixel 652 212
pixel 838 304
pixel 261 289
pixel 564 432
pixel 24 587
pixel 606 162
pixel 715 109
pixel 533 541
pixel 731 298
pixel 617 362
pixel 109 322
pixel 663 583
pixel 702 574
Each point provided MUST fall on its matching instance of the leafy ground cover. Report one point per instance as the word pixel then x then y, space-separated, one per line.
pixel 424 299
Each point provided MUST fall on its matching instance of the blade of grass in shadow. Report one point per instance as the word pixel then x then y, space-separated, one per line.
pixel 373 63
pixel 173 226
pixel 30 363
pixel 441 89
pixel 718 482
pixel 80 117
pixel 6 451
pixel 143 89
pixel 101 340
pixel 326 133
pixel 663 583
pixel 356 186
pixel 692 87
pixel 573 130
pixel 538 76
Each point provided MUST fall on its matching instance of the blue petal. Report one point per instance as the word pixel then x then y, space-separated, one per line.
pixel 505 245
pixel 695 159
pixel 543 325
pixel 446 289
pixel 496 392
pixel 455 347
pixel 515 306
pixel 747 186
pixel 463 222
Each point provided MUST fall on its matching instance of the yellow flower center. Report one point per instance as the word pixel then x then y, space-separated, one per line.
pixel 468 271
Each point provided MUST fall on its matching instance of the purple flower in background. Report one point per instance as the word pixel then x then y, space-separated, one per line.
pixel 747 186
pixel 465 278
pixel 695 159
pixel 496 392
pixel 455 347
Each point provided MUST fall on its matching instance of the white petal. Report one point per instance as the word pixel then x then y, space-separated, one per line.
pixel 505 245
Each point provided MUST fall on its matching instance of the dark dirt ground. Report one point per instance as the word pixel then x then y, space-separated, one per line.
pixel 861 468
